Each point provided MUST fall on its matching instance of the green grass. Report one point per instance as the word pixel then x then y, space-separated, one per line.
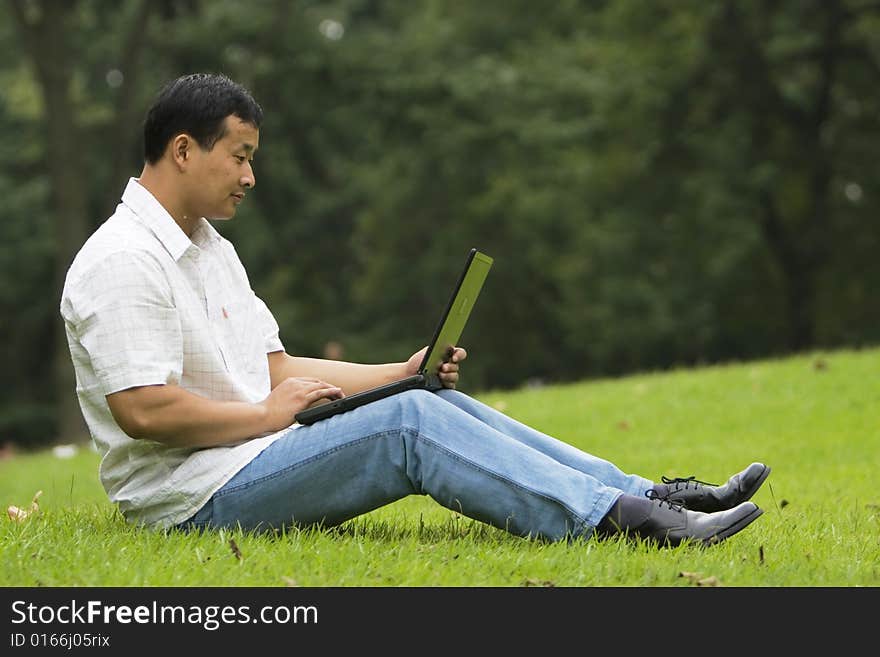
pixel 814 418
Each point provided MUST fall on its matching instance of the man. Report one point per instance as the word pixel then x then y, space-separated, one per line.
pixel 190 396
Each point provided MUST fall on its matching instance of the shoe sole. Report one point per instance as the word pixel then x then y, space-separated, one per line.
pixel 736 527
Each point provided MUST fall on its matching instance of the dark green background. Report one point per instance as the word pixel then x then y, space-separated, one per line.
pixel 660 183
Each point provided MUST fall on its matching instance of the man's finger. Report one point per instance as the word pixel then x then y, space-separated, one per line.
pixel 328 392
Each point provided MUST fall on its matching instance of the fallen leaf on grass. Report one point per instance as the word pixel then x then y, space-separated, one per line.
pixel 697 579
pixel 234 547
pixel 534 582
pixel 18 514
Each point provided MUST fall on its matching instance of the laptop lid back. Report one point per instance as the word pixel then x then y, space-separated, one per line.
pixel 455 316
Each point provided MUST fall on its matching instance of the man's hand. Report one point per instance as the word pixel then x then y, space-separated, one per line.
pixel 294 394
pixel 448 370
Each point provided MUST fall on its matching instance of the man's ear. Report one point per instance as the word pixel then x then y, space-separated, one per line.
pixel 181 146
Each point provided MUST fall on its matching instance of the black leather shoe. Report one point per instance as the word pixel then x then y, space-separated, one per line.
pixel 670 524
pixel 701 496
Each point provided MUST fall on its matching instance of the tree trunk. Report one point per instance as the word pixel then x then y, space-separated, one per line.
pixel 44 28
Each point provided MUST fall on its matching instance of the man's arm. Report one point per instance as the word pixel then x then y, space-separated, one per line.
pixel 355 377
pixel 174 416
pixel 351 377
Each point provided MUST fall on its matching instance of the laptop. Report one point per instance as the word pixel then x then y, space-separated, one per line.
pixel 446 335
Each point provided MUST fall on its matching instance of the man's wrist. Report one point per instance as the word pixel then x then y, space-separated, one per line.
pixel 401 371
pixel 262 418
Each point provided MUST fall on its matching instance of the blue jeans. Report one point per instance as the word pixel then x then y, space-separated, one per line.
pixel 462 453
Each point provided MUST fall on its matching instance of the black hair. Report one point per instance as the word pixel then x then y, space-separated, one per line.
pixel 198 105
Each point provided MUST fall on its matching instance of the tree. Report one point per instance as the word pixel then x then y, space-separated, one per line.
pixel 765 124
pixel 50 34
pixel 665 183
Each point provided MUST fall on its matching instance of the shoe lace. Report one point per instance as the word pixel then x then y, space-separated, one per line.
pixel 687 481
pixel 675 505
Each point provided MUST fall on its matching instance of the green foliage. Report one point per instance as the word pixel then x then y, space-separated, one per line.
pixel 660 185
pixel 811 418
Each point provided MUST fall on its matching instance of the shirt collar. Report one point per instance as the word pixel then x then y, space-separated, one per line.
pixel 155 217
pixel 205 234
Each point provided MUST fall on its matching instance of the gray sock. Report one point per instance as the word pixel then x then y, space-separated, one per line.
pixel 627 512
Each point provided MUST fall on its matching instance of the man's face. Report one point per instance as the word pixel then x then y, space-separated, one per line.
pixel 219 177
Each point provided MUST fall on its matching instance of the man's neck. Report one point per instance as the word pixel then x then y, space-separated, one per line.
pixel 156 182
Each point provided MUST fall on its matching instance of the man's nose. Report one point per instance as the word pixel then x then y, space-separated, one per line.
pixel 249 180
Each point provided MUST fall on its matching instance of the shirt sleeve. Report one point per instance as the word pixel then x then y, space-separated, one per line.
pixel 124 316
pixel 265 320
pixel 268 326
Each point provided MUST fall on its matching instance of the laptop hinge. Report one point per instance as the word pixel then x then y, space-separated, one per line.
pixel 432 382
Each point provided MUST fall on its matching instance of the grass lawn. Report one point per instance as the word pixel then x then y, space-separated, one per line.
pixel 814 418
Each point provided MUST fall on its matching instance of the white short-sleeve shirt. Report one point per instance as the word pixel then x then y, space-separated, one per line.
pixel 144 304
